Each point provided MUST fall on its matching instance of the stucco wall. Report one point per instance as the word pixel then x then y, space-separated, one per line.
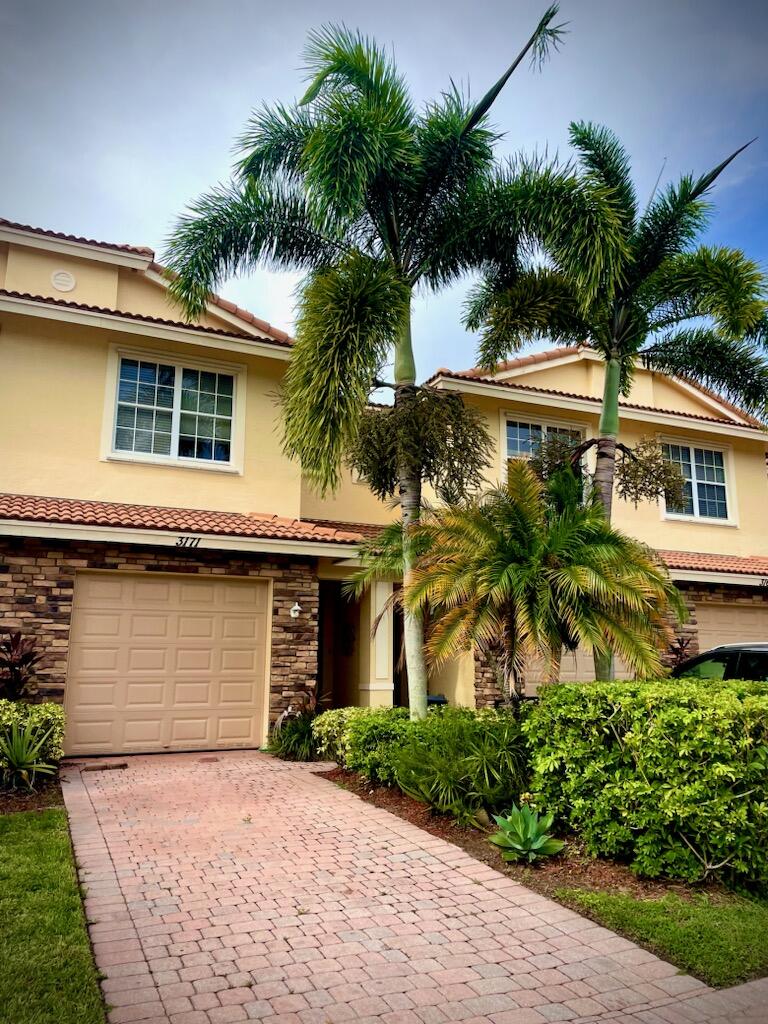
pixel 53 382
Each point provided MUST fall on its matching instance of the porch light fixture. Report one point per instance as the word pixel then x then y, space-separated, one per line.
pixel 296 611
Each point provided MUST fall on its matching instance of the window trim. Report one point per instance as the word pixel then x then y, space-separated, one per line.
pixel 237 370
pixel 505 415
pixel 730 483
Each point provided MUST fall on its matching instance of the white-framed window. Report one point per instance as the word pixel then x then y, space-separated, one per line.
pixel 703 469
pixel 174 411
pixel 523 436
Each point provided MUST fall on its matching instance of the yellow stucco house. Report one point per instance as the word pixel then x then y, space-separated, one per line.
pixel 184 581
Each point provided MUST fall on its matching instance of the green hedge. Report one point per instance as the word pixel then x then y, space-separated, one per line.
pixel 43 716
pixel 671 776
pixel 362 739
pixel 458 759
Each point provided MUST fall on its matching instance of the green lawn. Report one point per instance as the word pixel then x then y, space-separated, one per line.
pixel 47 975
pixel 723 940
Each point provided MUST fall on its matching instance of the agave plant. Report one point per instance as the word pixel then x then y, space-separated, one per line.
pixel 523 835
pixel 20 756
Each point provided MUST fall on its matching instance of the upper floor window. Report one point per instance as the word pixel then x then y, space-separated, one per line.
pixel 171 410
pixel 524 438
pixel 703 470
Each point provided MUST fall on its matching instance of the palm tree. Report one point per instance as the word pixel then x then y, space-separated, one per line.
pixel 530 568
pixel 374 200
pixel 694 312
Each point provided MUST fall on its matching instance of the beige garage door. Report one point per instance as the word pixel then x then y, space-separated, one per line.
pixel 166 663
pixel 730 623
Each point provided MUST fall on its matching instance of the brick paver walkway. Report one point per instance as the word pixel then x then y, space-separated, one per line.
pixel 243 888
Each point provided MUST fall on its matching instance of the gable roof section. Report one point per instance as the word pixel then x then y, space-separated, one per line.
pixel 160 273
pixel 161 322
pixel 73 511
pixel 534 359
pixel 513 385
pixel 138 250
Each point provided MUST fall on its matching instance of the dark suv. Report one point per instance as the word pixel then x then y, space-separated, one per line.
pixel 730 661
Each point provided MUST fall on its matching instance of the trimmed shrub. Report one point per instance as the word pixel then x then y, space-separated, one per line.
pixel 43 718
pixel 372 739
pixel 463 762
pixel 671 776
pixel 329 729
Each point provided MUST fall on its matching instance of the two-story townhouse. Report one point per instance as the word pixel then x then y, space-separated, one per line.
pixel 184 581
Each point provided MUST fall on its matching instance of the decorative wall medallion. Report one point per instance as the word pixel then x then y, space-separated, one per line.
pixel 63 281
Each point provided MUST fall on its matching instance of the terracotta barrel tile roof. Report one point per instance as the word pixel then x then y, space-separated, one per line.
pixel 477 373
pixel 477 378
pixel 750 565
pixel 363 529
pixel 235 310
pixel 140 250
pixel 30 508
pixel 142 318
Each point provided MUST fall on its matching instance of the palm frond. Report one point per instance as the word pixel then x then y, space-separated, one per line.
pixel 603 155
pixel 732 367
pixel 674 219
pixel 546 37
pixel 349 316
pixel 711 282
pixel 577 221
pixel 237 228
pixel 534 305
pixel 274 142
pixel 338 59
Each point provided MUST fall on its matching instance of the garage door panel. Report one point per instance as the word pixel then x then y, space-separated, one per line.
pixel 175 664
pixel 157 591
pixel 723 623
pixel 234 728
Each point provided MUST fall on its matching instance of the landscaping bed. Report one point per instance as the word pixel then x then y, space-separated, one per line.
pixel 47 794
pixel 48 974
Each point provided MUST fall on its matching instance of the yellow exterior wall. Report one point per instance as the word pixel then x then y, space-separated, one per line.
pixel 745 467
pixel 29 271
pixel 53 379
pixel 455 680
pixel 137 294
pixel 351 503
pixel 3 263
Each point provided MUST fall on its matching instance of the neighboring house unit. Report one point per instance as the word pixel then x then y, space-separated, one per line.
pixel 185 582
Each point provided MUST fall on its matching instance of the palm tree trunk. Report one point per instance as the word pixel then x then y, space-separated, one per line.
pixel 409 490
pixel 608 432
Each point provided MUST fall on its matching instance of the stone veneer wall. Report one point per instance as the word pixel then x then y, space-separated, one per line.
pixel 37 579
pixel 487 690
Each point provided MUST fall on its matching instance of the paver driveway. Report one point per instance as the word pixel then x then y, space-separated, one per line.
pixel 237 887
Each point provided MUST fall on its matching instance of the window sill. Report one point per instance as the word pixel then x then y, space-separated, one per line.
pixel 169 463
pixel 699 520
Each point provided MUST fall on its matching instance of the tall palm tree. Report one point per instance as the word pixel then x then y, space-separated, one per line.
pixel 695 312
pixel 530 568
pixel 374 200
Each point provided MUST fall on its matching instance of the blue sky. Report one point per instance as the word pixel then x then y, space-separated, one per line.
pixel 115 116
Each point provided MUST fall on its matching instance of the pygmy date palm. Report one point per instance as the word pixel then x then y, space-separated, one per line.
pixel 373 200
pixel 530 568
pixel 695 312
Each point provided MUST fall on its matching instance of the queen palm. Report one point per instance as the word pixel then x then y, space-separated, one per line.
pixel 373 200
pixel 695 312
pixel 530 568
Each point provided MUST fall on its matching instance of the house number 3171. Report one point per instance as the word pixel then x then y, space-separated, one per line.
pixel 187 542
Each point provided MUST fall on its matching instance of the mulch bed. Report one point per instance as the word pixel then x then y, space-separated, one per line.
pixel 47 794
pixel 573 869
